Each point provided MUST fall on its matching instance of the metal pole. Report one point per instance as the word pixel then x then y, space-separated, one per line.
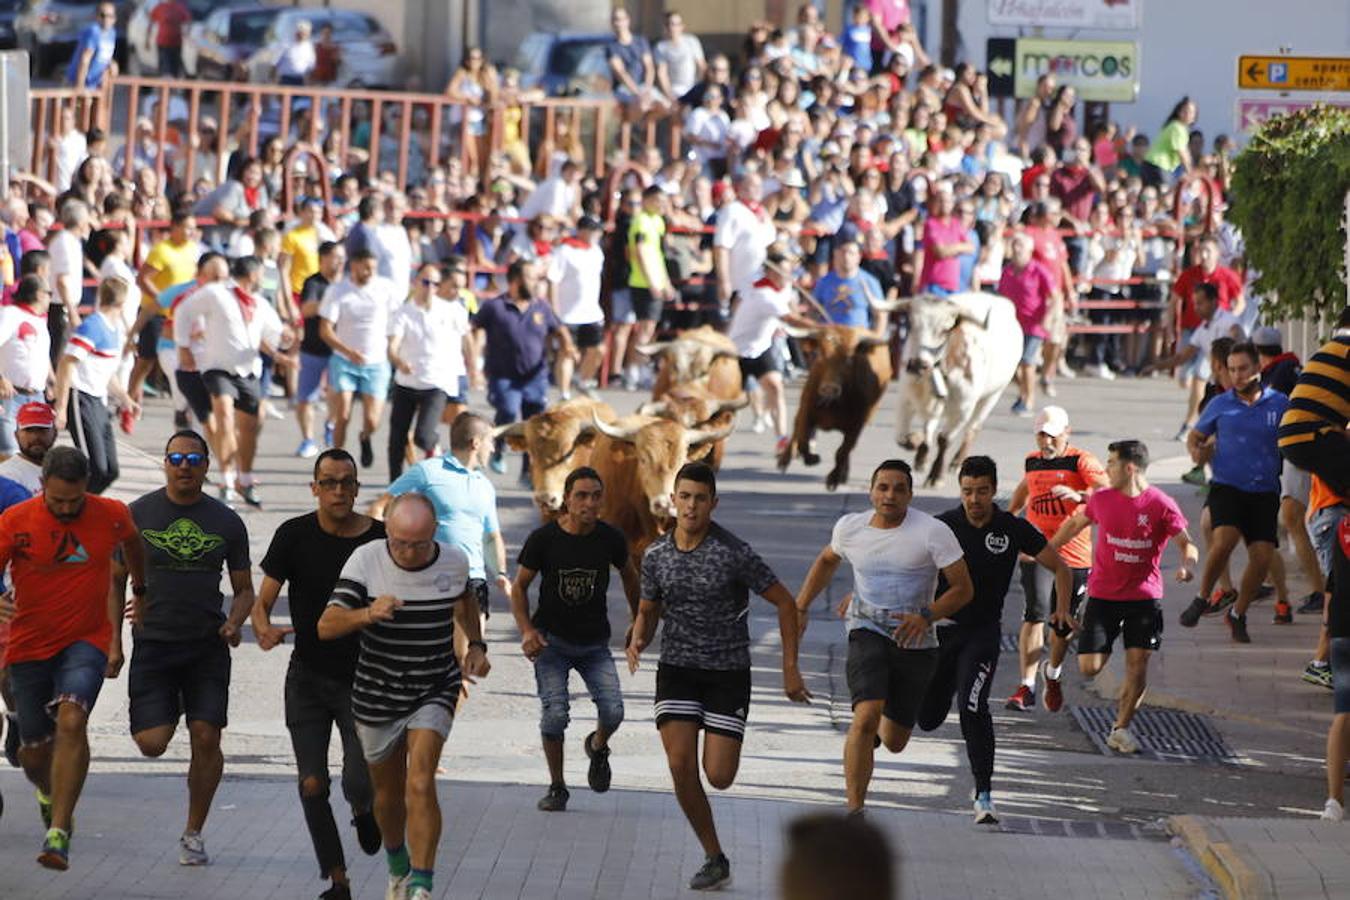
pixel 4 125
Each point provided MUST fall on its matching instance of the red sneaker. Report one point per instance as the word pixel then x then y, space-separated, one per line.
pixel 1284 613
pixel 1023 700
pixel 1054 694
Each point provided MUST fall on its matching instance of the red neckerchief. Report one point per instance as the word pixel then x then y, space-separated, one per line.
pixel 251 196
pixel 543 248
pixel 757 209
pixel 577 242
pixel 766 282
pixel 863 224
pixel 246 303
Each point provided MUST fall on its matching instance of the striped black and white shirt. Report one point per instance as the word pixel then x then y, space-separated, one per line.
pixel 408 661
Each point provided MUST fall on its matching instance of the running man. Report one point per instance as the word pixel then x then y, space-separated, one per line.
pixel 897 554
pixel 306 555
pixel 698 578
pixel 1134 523
pixel 407 595
pixel 180 661
pixel 968 645
pixel 570 629
pixel 1059 478
pixel 65 629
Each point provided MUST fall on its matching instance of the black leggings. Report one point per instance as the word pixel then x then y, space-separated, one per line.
pixel 426 406
pixel 967 660
pixel 91 429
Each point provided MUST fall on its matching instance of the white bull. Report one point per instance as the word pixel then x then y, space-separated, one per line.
pixel 961 353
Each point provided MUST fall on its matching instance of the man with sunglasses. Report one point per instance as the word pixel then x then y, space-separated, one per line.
pixel 306 555
pixel 93 60
pixel 180 661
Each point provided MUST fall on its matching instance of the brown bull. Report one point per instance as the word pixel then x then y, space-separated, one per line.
pixel 558 440
pixel 700 355
pixel 851 370
pixel 696 406
pixel 637 458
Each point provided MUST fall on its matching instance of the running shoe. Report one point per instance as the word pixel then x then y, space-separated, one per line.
pixel 1064 370
pixel 228 495
pixel 419 893
pixel 1054 694
pixel 1190 616
pixel 251 496
pixel 398 887
pixel 1318 674
pixel 44 808
pixel 715 874
pixel 1284 613
pixel 337 892
pixel 1237 626
pixel 1333 811
pixel 555 800
pixel 55 850
pixel 1313 604
pixel 1265 591
pixel 270 410
pixel 328 434
pixel 1022 700
pixel 780 445
pixel 1020 409
pixel 192 850
pixel 367 833
pixel 497 464
pixel 367 452
pixel 598 775
pixel 307 449
pixel 1219 601
pixel 1196 477
pixel 761 425
pixel 1121 741
pixel 1184 430
pixel 984 810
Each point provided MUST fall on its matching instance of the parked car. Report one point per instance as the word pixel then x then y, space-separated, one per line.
pixel 50 29
pixel 217 47
pixel 565 65
pixel 142 51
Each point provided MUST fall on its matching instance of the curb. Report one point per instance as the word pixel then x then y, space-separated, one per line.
pixel 1223 861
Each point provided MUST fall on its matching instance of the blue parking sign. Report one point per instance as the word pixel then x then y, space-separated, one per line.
pixel 1279 73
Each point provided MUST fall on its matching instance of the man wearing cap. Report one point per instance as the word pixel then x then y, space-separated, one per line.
pixel 574 275
pixel 1279 369
pixel 25 354
pixel 1059 478
pixel 34 436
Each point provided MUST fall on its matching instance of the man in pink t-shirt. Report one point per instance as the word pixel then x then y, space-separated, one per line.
pixel 945 239
pixel 1031 288
pixel 1134 523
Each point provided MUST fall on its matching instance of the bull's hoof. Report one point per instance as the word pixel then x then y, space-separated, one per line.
pixel 921 456
pixel 935 481
pixel 911 441
pixel 834 479
pixel 810 459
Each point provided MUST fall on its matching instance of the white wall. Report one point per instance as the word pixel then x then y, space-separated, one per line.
pixel 1186 47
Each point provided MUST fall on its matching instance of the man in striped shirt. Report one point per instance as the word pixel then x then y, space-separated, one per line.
pixel 1312 432
pixel 405 596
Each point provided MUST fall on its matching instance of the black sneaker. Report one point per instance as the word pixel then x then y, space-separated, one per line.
pixel 1190 616
pixel 1220 601
pixel 12 740
pixel 367 833
pixel 598 775
pixel 1313 604
pixel 180 420
pixel 1237 625
pixel 716 873
pixel 555 800
pixel 337 892
pixel 367 452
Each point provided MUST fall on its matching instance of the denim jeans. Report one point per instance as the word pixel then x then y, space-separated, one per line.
pixel 314 704
pixel 595 664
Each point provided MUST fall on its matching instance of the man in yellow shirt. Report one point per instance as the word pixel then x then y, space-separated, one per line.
pixel 649 286
pixel 299 257
pixel 171 261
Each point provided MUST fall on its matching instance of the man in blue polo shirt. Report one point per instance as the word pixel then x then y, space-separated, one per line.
pixel 846 289
pixel 465 501
pixel 92 60
pixel 1236 436
pixel 518 326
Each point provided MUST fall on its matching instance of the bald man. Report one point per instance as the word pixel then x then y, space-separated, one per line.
pixel 406 595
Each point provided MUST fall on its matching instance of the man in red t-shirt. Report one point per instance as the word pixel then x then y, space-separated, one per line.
pixel 65 632
pixel 1078 183
pixel 170 17
pixel 1228 285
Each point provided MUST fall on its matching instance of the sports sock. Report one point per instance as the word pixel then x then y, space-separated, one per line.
pixel 1053 671
pixel 245 479
pixel 399 863
pixel 1029 683
pixel 421 878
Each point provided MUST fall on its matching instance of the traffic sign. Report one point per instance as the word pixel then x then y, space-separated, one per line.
pixel 1294 73
pixel 1001 61
pixel 1252 112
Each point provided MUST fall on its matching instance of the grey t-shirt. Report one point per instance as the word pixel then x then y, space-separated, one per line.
pixel 681 59
pixel 187 549
pixel 705 596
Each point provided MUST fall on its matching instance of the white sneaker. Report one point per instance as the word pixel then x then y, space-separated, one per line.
pixel 984 810
pixel 419 893
pixel 1103 372
pixel 1064 370
pixel 1333 811
pixel 192 850
pixel 761 424
pixel 398 887
pixel 1121 741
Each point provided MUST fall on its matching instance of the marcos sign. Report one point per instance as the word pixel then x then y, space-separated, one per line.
pixel 1114 15
pixel 1106 71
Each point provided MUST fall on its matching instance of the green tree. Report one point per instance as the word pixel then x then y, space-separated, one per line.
pixel 1289 198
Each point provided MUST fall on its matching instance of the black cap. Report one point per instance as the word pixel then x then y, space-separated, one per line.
pixel 589 223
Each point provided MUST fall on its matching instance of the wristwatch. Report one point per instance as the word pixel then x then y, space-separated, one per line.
pixel 927 613
pixel 481 645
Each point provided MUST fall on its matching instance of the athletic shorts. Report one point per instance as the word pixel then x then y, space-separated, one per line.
pixel 621 307
pixel 717 699
pixel 193 389
pixel 1141 622
pixel 588 336
pixel 646 306
pixel 40 686
pixel 1295 483
pixel 147 342
pixel 880 669
pixel 1340 673
pixel 1031 349
pixel 379 740
pixel 759 366
pixel 244 390
pixel 369 380
pixel 309 386
pixel 1255 515
pixel 1038 585
pixel 168 679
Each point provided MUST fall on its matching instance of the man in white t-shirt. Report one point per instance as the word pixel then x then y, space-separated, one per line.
pixel 25 354
pixel 897 554
pixel 558 195
pixel 296 60
pixel 764 307
pixel 36 433
pixel 220 330
pixel 574 274
pixel 354 321
pixel 742 236
pixel 67 274
pixel 392 248
pixel 679 60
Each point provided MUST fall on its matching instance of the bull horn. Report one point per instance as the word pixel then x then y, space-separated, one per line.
pixel 800 334
pixel 707 435
pixel 653 348
pixel 888 305
pixel 653 408
pixel 738 403
pixel 868 341
pixel 978 323
pixel 515 429
pixel 612 432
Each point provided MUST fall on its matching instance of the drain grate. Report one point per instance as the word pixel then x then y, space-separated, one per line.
pixel 1163 734
pixel 1121 831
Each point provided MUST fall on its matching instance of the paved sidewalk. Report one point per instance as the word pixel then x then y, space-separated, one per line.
pixel 1257 859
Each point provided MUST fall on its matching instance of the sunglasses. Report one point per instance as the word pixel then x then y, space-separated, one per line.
pixel 430 282
pixel 192 459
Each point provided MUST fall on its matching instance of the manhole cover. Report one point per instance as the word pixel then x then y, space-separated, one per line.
pixel 1163 734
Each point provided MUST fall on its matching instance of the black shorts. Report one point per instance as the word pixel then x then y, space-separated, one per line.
pixel 759 366
pixel 717 699
pixel 880 669
pixel 588 336
pixel 245 391
pixel 1040 601
pixel 1141 621
pixel 169 679
pixel 147 342
pixel 1255 515
pixel 646 307
pixel 193 389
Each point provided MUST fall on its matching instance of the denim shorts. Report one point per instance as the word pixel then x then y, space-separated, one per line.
pixel 75 675
pixel 379 740
pixel 309 388
pixel 621 307
pixel 1031 349
pixel 595 664
pixel 1199 366
pixel 369 380
pixel 1322 533
pixel 1340 674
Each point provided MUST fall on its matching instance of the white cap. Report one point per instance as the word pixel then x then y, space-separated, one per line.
pixel 1052 420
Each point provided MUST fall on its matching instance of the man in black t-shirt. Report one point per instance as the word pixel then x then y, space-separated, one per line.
pixel 314 353
pixel 570 628
pixel 307 554
pixel 968 644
